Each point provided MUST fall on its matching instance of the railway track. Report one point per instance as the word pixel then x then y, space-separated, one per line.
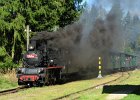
pixel 90 88
pixel 9 91
pixel 15 90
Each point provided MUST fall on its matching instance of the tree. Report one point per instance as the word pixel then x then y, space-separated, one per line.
pixel 138 43
pixel 39 14
pixel 127 20
pixel 70 13
pixel 136 19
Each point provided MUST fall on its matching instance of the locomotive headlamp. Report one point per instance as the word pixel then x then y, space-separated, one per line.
pixel 51 61
pixel 31 47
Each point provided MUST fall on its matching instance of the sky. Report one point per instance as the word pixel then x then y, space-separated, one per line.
pixel 98 2
pixel 89 2
pixel 132 5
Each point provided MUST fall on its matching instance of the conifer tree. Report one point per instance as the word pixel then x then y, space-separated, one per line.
pixel 39 14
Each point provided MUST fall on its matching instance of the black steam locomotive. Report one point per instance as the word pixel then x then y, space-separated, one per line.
pixel 42 65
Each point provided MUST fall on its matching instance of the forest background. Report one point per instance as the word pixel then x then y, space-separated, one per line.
pixel 46 15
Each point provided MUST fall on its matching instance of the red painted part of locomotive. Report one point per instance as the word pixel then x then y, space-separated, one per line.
pixel 29 77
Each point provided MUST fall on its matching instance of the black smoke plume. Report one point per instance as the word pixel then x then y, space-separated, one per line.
pixel 94 34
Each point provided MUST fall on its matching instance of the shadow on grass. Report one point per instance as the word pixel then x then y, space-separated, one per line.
pixel 121 89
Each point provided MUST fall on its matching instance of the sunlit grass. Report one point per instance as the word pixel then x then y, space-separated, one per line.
pixel 132 97
pixel 132 80
pixel 51 92
pixel 93 95
pixel 135 80
pixel 8 80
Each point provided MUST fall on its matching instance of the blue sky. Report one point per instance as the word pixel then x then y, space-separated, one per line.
pixel 105 4
pixel 132 5
pixel 90 2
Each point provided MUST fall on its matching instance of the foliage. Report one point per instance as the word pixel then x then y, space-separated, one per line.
pixel 6 62
pixel 70 13
pixel 39 14
pixel 131 29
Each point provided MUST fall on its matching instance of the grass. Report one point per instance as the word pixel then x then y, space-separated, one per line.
pixel 97 94
pixel 8 81
pixel 94 94
pixel 134 96
pixel 51 92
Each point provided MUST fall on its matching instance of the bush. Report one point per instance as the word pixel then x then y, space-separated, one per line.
pixel 6 62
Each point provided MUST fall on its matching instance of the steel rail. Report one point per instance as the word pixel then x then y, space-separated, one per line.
pixel 14 90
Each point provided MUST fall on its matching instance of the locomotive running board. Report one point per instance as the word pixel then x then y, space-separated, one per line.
pixel 55 67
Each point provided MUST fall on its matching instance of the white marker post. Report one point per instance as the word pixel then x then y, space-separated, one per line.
pixel 100 67
pixel 28 35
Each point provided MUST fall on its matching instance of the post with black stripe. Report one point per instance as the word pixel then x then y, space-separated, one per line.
pixel 100 68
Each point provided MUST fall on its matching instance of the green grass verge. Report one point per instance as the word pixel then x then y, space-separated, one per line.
pixel 134 80
pixel 51 92
pixel 97 94
pixel 132 97
pixel 8 81
pixel 135 95
pixel 6 84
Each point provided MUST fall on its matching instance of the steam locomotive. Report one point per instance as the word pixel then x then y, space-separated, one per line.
pixel 42 65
